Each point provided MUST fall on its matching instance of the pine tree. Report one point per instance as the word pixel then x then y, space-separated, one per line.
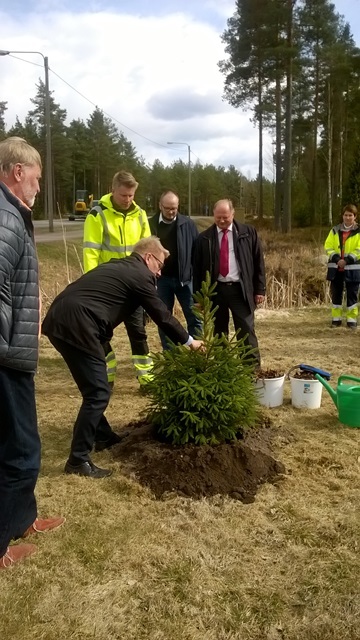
pixel 3 108
pixel 205 396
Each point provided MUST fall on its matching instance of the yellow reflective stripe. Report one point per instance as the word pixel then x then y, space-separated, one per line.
pixel 124 231
pixel 143 365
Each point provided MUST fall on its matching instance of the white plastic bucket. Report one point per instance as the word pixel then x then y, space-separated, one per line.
pixel 305 394
pixel 270 391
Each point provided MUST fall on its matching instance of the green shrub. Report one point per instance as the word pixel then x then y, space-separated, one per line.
pixel 204 396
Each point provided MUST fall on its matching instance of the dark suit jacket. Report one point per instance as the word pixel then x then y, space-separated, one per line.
pixel 248 252
pixel 87 311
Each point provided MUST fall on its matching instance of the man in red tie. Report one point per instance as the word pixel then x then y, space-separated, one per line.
pixel 232 253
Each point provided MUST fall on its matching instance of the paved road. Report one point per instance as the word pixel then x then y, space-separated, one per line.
pixel 71 230
pixel 74 230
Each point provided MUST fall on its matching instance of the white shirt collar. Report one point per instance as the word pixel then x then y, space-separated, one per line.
pixel 220 230
pixel 161 219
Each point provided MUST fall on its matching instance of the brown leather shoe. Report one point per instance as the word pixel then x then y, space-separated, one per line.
pixel 41 525
pixel 15 554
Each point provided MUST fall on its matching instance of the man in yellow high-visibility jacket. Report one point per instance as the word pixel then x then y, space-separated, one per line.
pixel 111 230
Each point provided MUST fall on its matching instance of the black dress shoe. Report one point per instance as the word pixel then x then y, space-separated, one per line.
pixel 100 445
pixel 87 469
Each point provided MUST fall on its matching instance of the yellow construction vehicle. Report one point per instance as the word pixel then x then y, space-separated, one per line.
pixel 82 205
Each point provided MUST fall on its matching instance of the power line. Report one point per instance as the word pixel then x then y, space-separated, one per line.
pixel 36 64
pixel 107 114
pixel 112 117
pixel 97 106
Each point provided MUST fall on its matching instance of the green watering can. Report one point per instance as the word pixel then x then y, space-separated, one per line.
pixel 346 398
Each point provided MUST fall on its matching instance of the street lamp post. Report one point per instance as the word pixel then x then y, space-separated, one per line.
pixel 49 189
pixel 189 170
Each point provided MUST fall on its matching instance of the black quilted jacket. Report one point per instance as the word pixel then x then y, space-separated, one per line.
pixel 19 289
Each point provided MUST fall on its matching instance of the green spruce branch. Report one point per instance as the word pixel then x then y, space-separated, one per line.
pixel 207 396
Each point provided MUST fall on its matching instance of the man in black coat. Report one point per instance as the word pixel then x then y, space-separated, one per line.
pixel 177 234
pixel 233 255
pixel 80 323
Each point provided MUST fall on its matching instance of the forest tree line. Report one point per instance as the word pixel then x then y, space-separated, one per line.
pixel 86 155
pixel 294 66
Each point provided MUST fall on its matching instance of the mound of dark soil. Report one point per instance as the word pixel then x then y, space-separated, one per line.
pixel 235 469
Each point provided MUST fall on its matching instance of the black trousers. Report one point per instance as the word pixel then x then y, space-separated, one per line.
pixel 337 288
pixel 19 454
pixel 136 332
pixel 89 373
pixel 230 298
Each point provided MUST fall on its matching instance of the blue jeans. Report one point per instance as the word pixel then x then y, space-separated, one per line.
pixel 19 454
pixel 167 289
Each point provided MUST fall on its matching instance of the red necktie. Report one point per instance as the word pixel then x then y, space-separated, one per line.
pixel 224 254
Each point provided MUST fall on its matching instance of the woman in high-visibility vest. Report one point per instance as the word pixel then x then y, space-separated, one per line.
pixel 343 250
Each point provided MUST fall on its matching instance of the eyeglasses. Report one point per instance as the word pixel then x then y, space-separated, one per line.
pixel 169 209
pixel 161 264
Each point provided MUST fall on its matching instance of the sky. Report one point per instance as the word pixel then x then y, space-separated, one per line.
pixel 150 66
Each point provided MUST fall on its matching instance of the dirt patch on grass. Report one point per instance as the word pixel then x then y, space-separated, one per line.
pixel 235 469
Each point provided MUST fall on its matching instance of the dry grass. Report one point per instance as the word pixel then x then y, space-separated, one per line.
pixel 128 567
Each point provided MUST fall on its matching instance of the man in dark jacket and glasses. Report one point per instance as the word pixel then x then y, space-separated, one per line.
pixel 80 323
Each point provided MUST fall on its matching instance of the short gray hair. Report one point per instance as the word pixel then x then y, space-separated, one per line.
pixel 16 150
pixel 226 202
pixel 150 245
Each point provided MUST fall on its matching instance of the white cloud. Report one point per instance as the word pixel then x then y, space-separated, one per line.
pixel 158 76
pixel 137 70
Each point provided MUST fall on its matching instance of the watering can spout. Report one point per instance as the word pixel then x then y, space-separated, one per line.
pixel 328 388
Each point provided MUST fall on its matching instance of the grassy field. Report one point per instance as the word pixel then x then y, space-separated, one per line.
pixel 128 567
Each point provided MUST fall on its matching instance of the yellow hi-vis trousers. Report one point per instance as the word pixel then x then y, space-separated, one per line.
pixel 143 368
pixel 142 365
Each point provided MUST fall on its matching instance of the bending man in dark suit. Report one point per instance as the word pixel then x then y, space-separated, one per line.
pixel 81 320
pixel 232 253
